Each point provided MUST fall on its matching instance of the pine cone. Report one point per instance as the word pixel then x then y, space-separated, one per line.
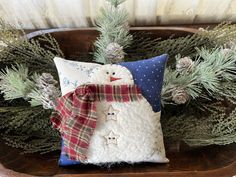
pixel 180 96
pixel 114 53
pixel 46 79
pixel 185 64
pixel 227 51
pixel 48 89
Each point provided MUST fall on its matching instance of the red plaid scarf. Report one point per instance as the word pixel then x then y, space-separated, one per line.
pixel 75 115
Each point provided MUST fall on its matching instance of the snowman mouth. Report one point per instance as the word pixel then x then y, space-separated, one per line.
pixel 112 79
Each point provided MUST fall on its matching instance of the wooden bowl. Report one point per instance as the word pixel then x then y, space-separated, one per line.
pixel 211 161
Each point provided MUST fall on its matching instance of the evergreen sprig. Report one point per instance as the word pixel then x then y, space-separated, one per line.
pixel 116 3
pixel 217 128
pixel 211 69
pixel 31 53
pixel 15 82
pixel 145 45
pixel 222 34
pixel 28 128
pixel 113 27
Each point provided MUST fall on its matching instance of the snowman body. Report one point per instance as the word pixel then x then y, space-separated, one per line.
pixel 125 131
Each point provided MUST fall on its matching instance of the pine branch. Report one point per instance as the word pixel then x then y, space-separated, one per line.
pixel 217 128
pixel 184 46
pixel 28 128
pixel 115 3
pixel 222 34
pixel 37 90
pixel 15 82
pixel 212 69
pixel 113 27
pixel 146 46
pixel 31 53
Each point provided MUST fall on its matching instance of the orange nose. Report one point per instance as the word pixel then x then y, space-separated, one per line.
pixel 114 79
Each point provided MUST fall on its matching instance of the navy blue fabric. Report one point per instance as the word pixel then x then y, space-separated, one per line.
pixel 148 75
pixel 64 160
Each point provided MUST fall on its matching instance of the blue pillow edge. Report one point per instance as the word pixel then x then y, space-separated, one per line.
pixel 164 58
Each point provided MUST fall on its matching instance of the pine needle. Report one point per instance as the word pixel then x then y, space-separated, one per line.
pixel 28 128
pixel 113 27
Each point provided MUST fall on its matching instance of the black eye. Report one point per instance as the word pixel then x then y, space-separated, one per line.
pixel 113 138
pixel 113 73
pixel 108 114
pixel 109 138
pixel 107 72
pixel 113 113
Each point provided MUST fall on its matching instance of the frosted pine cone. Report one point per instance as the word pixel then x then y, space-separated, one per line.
pixel 185 64
pixel 227 51
pixel 180 96
pixel 114 52
pixel 48 89
pixel 46 79
pixel 48 101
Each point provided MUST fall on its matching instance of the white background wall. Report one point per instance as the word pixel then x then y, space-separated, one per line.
pixel 81 13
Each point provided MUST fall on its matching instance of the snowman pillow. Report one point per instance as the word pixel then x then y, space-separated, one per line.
pixel 122 122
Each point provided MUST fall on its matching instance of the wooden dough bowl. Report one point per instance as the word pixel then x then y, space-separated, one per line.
pixel 211 161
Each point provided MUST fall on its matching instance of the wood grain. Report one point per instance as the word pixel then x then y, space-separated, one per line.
pixel 211 161
pixel 79 41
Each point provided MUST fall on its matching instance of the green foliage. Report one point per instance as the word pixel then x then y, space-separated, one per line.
pixel 34 94
pixel 115 3
pixel 28 128
pixel 145 46
pixel 228 89
pixel 25 127
pixel 217 128
pixel 222 64
pixel 113 27
pixel 184 46
pixel 16 82
pixel 212 67
pixel 221 34
pixel 28 52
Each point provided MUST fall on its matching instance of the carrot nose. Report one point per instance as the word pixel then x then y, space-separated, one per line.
pixel 114 79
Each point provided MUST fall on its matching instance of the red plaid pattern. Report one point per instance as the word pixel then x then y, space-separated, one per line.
pixel 76 117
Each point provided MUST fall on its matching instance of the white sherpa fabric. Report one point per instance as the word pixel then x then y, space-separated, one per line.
pixel 102 75
pixel 72 73
pixel 125 132
pixel 138 131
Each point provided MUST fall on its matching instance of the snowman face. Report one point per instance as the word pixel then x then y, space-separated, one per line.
pixel 111 75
